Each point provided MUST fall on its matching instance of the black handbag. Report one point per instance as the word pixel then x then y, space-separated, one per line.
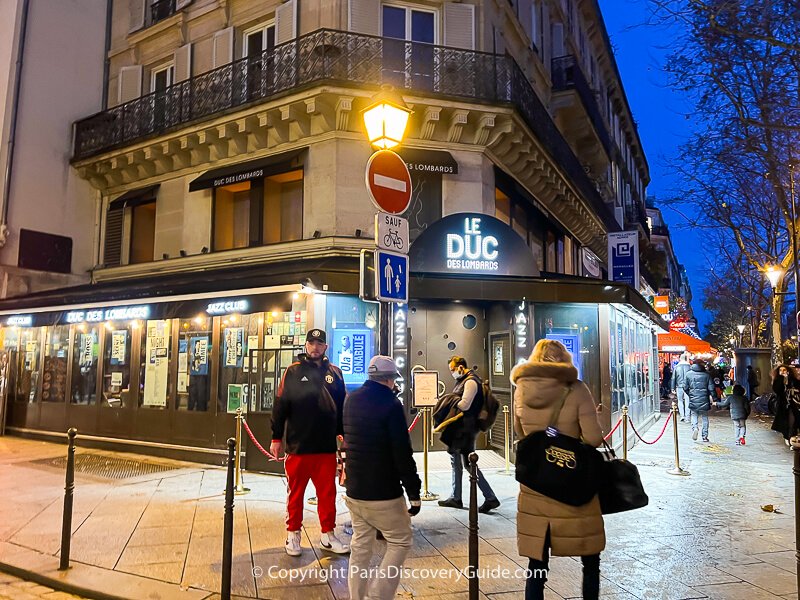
pixel 559 466
pixel 621 487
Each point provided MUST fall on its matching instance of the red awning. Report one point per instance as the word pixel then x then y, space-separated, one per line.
pixel 674 341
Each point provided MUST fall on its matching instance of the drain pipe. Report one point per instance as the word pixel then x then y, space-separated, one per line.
pixel 13 129
pixel 106 60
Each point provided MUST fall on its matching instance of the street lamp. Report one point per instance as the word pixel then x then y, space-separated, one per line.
pixel 774 275
pixel 741 329
pixel 386 119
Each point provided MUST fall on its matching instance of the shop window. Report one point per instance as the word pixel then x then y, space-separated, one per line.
pixel 238 334
pixel 560 255
pixel 284 337
pixel 551 252
pixel 54 380
pixel 265 211
pixel 85 353
pixel 143 233
pixel 502 207
pixel 194 363
pixel 117 365
pixel 425 207
pixel 25 365
pixel 351 325
pixel 155 356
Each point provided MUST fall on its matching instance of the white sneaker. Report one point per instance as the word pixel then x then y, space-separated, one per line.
pixel 329 541
pixel 293 544
pixel 694 434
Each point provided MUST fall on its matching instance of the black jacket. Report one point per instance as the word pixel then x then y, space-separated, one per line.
pixel 379 454
pixel 699 386
pixel 460 435
pixel 308 407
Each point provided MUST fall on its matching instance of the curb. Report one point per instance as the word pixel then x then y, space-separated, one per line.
pixel 87 580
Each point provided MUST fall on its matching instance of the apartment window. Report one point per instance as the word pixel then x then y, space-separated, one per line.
pixel 143 233
pixel 406 24
pixel 536 21
pixel 525 220
pixel 261 211
pixel 162 77
pixel 412 24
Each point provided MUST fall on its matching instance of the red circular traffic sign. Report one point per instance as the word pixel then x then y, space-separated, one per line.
pixel 388 182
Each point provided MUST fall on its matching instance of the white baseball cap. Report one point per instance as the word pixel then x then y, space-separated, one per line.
pixel 382 367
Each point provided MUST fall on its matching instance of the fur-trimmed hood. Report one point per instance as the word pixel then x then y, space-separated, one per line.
pixel 563 372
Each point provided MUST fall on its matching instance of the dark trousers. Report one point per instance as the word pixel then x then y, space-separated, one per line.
pixel 534 587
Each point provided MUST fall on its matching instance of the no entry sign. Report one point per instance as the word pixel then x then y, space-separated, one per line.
pixel 388 182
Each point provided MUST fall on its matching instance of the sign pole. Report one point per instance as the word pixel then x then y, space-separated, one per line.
pixel 384 327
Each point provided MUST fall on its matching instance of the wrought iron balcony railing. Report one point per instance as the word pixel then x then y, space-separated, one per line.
pixel 634 213
pixel 160 10
pixel 568 75
pixel 347 59
pixel 660 230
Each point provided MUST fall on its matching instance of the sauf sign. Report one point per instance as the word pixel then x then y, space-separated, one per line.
pixel 471 250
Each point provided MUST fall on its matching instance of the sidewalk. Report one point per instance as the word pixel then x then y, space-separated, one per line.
pixel 158 534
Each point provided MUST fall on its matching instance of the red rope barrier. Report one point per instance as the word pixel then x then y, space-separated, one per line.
pixel 414 422
pixel 259 446
pixel 660 435
pixel 610 433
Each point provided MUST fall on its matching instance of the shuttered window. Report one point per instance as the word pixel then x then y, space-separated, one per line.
pixel 112 246
pixel 286 22
pixel 363 16
pixel 459 25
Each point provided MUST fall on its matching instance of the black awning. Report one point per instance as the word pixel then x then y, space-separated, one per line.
pixel 132 198
pixel 429 161
pixel 246 171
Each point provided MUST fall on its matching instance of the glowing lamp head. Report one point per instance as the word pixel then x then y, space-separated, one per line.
pixel 741 329
pixel 774 275
pixel 386 119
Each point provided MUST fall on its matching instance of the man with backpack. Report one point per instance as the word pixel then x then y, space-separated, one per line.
pixel 461 434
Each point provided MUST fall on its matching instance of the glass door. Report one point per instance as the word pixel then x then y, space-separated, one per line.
pixel 259 47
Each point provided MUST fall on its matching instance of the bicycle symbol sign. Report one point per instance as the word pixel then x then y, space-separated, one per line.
pixel 391 232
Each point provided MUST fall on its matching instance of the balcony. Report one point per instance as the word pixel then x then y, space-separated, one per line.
pixel 345 59
pixel 159 10
pixel 635 214
pixel 567 75
pixel 661 230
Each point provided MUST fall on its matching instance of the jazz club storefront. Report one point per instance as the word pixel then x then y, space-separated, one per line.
pixel 160 365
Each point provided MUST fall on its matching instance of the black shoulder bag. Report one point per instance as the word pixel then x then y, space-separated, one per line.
pixel 621 487
pixel 559 466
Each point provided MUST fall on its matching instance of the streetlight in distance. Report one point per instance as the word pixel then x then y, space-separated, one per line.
pixel 386 119
pixel 774 275
pixel 741 329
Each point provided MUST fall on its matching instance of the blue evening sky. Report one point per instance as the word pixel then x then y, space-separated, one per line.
pixel 659 112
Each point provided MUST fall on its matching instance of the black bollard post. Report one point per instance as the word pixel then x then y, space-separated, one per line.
pixel 795 441
pixel 69 487
pixel 227 535
pixel 474 583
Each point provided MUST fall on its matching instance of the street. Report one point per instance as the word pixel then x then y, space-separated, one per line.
pixel 702 536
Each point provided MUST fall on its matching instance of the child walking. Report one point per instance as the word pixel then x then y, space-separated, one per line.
pixel 739 406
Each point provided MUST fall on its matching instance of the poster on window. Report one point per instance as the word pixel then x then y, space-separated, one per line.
pixel 183 383
pixel 86 349
pixel 156 369
pixel 119 343
pixel 235 397
pixel 234 347
pixel 252 345
pixel 351 351
pixel 198 357
pixel 183 356
pixel 572 343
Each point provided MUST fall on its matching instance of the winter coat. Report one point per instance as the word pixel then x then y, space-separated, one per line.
pixel 460 435
pixel 308 407
pixel 739 406
pixel 787 411
pixel 679 375
pixel 379 454
pixel 699 385
pixel 574 530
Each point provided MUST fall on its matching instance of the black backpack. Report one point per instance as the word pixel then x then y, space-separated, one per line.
pixel 489 410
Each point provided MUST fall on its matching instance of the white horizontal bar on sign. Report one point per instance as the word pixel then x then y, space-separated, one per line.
pixel 389 182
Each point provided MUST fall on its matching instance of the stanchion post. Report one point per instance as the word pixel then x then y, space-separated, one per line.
pixel 426 426
pixel 69 488
pixel 474 582
pixel 507 419
pixel 227 535
pixel 240 489
pixel 795 442
pixel 677 470
pixel 625 433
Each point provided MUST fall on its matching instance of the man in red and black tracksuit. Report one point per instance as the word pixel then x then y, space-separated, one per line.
pixel 308 413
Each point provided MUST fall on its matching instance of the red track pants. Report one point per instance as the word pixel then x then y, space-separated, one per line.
pixel 321 470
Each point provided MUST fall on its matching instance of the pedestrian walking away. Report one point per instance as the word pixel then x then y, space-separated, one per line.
pixel 678 379
pixel 380 465
pixel 752 383
pixel 786 386
pixel 699 387
pixel 308 415
pixel 460 435
pixel 544 525
pixel 739 406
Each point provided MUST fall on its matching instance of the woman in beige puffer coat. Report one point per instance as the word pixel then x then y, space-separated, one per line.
pixel 545 525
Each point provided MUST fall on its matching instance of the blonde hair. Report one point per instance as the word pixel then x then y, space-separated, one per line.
pixel 550 351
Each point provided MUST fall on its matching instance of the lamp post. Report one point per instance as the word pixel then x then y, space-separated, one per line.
pixel 385 121
pixel 741 329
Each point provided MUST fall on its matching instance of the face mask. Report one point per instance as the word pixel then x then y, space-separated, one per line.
pixel 455 374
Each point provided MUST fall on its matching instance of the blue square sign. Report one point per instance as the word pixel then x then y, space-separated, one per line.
pixel 391 274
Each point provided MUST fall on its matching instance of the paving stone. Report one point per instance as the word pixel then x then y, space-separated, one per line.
pixel 736 591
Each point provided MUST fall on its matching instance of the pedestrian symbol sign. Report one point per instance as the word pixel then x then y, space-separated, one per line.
pixel 391 274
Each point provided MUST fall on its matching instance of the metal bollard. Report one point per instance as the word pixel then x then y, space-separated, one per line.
pixel 227 535
pixel 507 417
pixel 426 433
pixel 677 470
pixel 795 442
pixel 240 489
pixel 625 432
pixel 69 488
pixel 474 583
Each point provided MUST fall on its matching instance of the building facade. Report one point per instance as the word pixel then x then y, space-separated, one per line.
pixel 230 168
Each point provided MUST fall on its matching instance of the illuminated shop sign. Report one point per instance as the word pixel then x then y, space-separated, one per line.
pixel 521 325
pixel 471 244
pixel 239 177
pixel 125 313
pixel 20 320
pixel 224 308
pixel 400 348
